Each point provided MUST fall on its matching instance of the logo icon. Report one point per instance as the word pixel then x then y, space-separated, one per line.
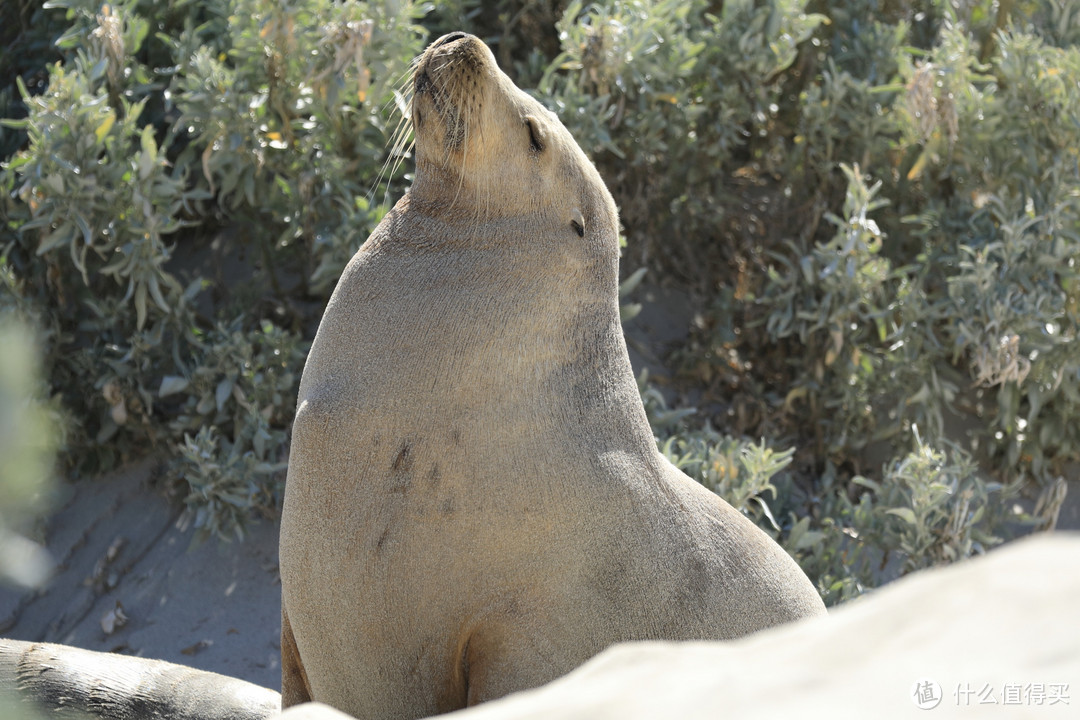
pixel 926 694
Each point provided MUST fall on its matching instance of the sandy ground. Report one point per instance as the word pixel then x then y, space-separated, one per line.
pixel 121 549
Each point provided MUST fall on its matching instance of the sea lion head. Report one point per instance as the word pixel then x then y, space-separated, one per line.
pixel 487 150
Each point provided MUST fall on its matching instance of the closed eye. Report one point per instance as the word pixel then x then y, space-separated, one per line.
pixel 535 145
pixel 577 221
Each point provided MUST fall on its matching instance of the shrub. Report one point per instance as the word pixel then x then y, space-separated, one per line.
pixel 671 85
pixel 862 313
pixel 143 149
pixel 939 285
pixel 929 507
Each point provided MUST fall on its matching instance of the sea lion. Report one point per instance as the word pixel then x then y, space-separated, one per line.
pixel 475 503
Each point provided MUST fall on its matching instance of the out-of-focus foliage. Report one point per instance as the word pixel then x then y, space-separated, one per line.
pixel 878 204
pixel 29 429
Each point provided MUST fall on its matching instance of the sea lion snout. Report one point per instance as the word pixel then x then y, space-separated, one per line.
pixel 449 38
pixel 449 80
pixel 447 58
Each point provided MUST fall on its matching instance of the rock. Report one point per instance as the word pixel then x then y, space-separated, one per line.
pixel 67 681
pixel 999 630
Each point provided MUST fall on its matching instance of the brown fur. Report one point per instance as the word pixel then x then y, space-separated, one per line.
pixel 475 503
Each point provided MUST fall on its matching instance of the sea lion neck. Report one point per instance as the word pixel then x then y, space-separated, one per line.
pixel 501 333
pixel 439 186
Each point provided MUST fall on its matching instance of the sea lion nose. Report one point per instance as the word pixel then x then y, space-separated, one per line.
pixel 449 38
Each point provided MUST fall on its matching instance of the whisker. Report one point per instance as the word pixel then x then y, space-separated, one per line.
pixel 464 157
pixel 403 84
pixel 399 141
